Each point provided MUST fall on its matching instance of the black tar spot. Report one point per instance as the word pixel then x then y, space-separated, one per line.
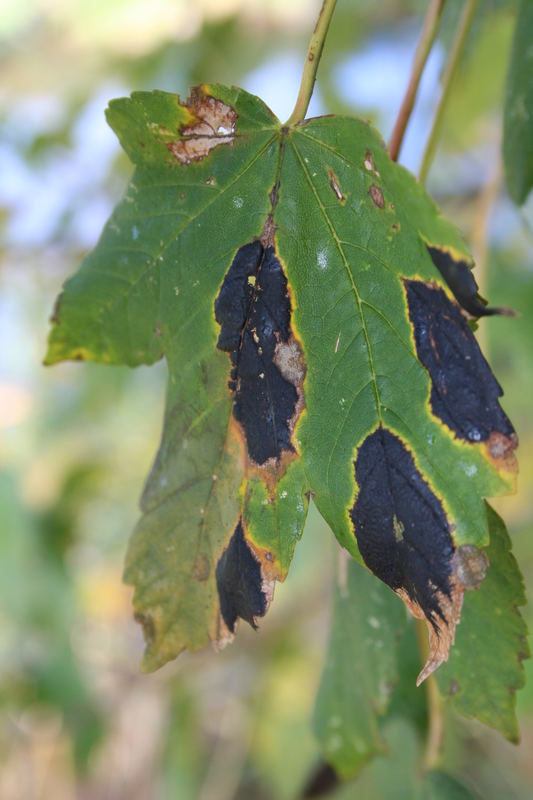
pixel 459 278
pixel 464 392
pixel 399 524
pixel 239 582
pixel 253 311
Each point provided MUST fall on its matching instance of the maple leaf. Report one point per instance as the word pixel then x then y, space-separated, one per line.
pixel 313 308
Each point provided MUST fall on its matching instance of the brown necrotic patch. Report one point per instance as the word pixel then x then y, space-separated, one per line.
pixel 404 538
pixel 377 196
pixel 335 186
pixel 464 392
pixel 458 275
pixel 241 588
pixel 213 124
pixel 369 164
pixel 253 309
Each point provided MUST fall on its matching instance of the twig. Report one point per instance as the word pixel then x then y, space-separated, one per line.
pixel 312 61
pixel 479 237
pixel 425 43
pixel 447 81
pixel 435 729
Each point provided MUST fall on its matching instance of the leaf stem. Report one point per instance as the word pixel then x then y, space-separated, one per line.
pixel 423 48
pixel 461 35
pixel 479 236
pixel 435 731
pixel 312 61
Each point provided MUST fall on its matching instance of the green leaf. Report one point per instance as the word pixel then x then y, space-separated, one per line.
pixel 518 111
pixel 408 701
pixel 485 666
pixel 394 777
pixel 309 300
pixel 360 669
pixel 438 785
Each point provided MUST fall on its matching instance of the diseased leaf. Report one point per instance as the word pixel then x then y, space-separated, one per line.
pixel 365 381
pixel 311 304
pixel 518 110
pixel 485 667
pixel 360 670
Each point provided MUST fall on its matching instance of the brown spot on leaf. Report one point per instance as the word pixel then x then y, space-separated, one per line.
pixel 214 125
pixel 369 163
pixel 454 687
pixel 470 566
pixel 334 183
pixel 377 196
pixel 500 451
pixel 269 231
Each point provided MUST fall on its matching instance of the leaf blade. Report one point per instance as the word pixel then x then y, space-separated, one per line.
pixel 360 670
pixel 483 675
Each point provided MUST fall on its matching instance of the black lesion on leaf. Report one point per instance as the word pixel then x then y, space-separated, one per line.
pixel 393 497
pixel 239 582
pixel 458 275
pixel 254 312
pixel 464 392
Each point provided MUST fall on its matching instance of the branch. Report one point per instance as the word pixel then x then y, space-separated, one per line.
pixel 425 43
pixel 447 81
pixel 312 61
pixel 435 729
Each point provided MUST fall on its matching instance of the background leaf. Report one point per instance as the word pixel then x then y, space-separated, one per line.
pixel 485 668
pixel 360 669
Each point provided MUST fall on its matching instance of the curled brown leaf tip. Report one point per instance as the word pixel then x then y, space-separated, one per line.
pixel 469 567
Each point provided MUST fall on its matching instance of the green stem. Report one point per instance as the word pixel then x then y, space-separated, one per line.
pixel 425 43
pixel 447 81
pixel 312 61
pixel 435 730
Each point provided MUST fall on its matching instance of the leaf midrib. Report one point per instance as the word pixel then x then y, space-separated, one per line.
pixel 354 289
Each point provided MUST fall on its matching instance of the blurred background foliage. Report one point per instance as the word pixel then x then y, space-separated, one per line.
pixel 77 719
